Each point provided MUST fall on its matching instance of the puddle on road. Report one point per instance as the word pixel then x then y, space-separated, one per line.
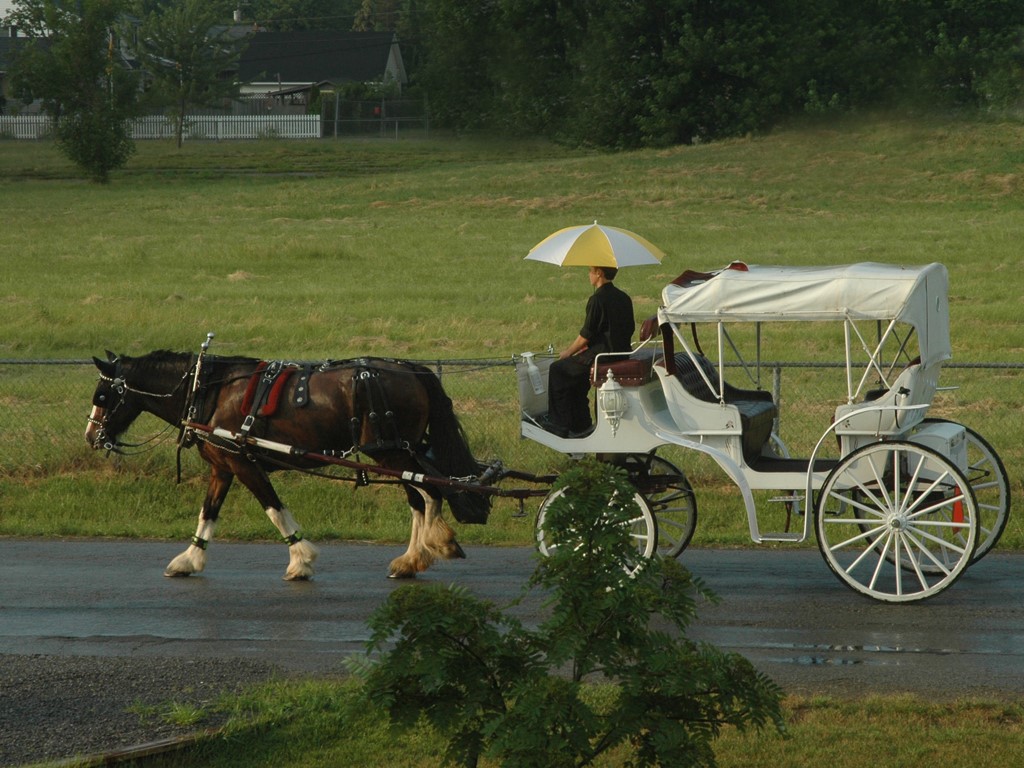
pixel 873 654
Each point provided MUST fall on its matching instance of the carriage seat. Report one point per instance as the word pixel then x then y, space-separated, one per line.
pixel 757 409
pixel 630 369
pixel 877 394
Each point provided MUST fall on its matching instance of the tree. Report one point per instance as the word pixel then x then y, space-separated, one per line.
pixel 189 60
pixel 73 67
pixel 459 36
pixel 494 688
pixel 295 15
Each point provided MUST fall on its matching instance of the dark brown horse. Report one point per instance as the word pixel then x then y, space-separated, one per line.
pixel 394 412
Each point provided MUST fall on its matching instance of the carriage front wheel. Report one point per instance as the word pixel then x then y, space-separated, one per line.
pixel 642 527
pixel 897 521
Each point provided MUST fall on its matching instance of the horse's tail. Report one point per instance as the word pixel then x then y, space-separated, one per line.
pixel 450 452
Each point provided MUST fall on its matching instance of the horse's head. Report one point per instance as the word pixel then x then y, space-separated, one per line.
pixel 113 408
pixel 154 383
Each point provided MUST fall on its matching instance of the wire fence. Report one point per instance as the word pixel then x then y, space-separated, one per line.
pixel 46 402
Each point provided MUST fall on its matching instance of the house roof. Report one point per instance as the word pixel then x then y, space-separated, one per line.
pixel 310 57
pixel 7 46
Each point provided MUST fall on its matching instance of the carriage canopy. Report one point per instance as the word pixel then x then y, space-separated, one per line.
pixel 866 291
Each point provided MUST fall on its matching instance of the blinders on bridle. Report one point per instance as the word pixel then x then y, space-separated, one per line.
pixel 104 399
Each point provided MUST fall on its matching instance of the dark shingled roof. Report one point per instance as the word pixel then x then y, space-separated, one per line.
pixel 308 57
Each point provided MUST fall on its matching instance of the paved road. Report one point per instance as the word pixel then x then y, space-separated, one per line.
pixel 782 609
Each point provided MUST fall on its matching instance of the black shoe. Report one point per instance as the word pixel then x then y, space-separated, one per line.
pixel 559 430
pixel 585 432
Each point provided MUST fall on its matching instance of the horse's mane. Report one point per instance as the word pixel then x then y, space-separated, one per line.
pixel 160 361
pixel 164 362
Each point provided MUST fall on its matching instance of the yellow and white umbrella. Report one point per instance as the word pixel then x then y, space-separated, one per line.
pixel 595 245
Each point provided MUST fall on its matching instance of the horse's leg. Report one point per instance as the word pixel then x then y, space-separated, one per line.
pixel 407 565
pixel 430 539
pixel 193 559
pixel 437 536
pixel 301 553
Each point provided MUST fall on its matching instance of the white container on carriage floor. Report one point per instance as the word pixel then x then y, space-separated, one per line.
pixel 530 368
pixel 945 438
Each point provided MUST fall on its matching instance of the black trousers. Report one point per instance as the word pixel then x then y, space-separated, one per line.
pixel 569 393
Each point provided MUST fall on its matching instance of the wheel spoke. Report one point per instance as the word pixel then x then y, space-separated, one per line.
pixel 857 504
pixel 881 559
pixel 935 561
pixel 922 580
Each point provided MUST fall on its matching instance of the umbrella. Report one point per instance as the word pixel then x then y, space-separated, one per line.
pixel 595 245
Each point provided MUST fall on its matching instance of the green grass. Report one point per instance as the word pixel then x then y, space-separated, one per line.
pixel 295 249
pixel 323 723
pixel 416 248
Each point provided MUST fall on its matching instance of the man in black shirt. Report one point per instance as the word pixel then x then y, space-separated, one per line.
pixel 608 327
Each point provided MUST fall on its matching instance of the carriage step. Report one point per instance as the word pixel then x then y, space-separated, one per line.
pixel 781 537
pixel 780 499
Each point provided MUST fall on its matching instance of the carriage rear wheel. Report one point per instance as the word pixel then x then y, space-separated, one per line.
pixel 991 486
pixel 642 526
pixel 897 521
pixel 671 498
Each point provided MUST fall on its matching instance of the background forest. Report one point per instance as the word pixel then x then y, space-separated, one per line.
pixel 636 73
pixel 630 73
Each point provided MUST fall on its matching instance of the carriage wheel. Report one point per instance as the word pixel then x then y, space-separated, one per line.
pixel 671 498
pixel 643 530
pixel 897 521
pixel 991 486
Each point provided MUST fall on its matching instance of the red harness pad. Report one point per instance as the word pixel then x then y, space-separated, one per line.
pixel 269 408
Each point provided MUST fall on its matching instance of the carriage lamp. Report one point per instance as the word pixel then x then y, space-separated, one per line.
pixel 612 401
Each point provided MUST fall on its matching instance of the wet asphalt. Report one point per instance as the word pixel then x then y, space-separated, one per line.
pixel 780 607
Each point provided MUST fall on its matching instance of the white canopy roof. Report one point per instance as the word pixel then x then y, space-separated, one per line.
pixel 866 291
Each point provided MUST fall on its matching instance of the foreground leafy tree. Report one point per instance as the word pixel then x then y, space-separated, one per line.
pixel 74 70
pixel 188 55
pixel 527 697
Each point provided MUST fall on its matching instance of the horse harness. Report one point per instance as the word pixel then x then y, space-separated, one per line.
pixel 263 394
pixel 267 385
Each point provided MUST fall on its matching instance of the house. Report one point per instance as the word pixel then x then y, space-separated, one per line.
pixel 9 42
pixel 289 65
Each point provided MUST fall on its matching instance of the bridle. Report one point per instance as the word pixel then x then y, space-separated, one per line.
pixel 119 385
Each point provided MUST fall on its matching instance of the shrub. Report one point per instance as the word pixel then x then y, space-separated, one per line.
pixel 495 688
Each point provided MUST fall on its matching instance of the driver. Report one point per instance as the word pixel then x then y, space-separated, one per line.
pixel 607 327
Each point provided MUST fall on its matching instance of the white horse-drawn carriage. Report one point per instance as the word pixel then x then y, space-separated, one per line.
pixel 910 501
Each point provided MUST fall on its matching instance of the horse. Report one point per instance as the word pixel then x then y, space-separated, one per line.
pixel 394 412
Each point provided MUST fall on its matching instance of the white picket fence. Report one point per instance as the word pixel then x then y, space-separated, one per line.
pixel 209 127
pixel 24 127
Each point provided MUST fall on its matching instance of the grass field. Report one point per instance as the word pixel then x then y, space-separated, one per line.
pixel 415 249
pixel 314 724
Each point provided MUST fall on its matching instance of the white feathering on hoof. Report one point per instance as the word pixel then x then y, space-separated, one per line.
pixel 300 565
pixel 301 554
pixel 193 559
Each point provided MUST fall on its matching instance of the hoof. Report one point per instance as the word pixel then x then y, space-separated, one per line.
pixel 176 574
pixel 401 568
pixel 296 577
